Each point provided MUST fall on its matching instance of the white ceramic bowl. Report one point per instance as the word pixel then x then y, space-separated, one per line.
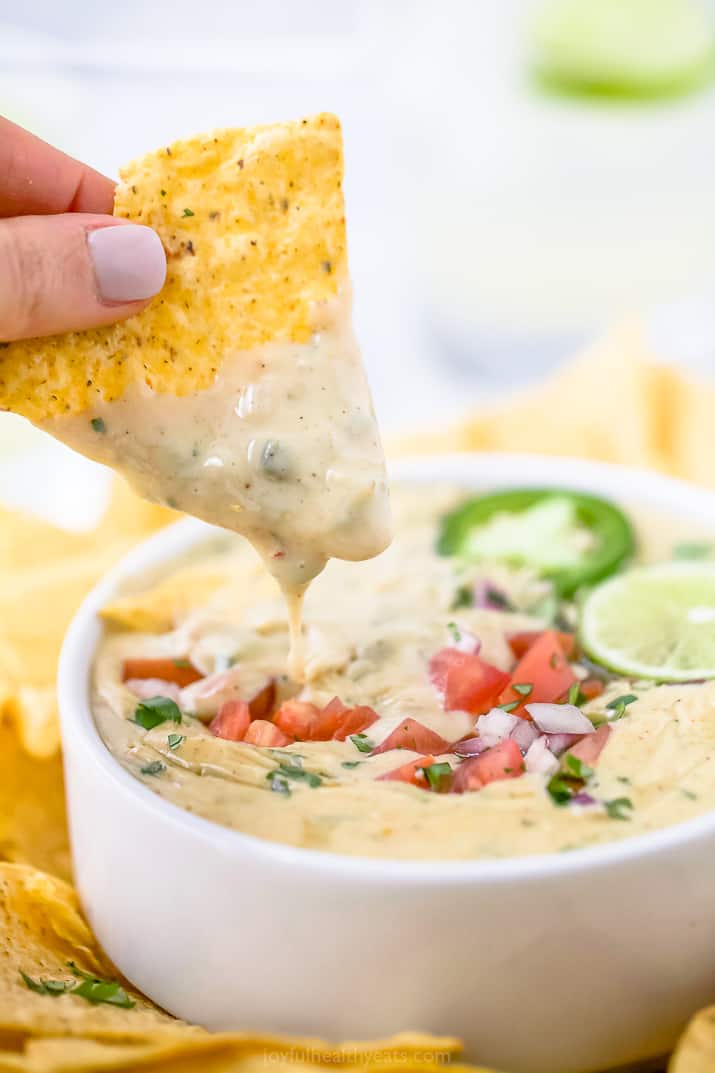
pixel 554 964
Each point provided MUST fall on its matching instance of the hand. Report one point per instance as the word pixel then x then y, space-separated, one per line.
pixel 65 262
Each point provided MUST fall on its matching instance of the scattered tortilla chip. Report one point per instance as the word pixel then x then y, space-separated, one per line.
pixel 695 1052
pixel 227 1053
pixel 163 605
pixel 610 404
pixel 691 402
pixel 36 606
pixel 45 572
pixel 130 518
pixel 41 932
pixel 253 224
pixel 33 824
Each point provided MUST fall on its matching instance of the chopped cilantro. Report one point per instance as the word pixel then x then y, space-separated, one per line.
pixel 575 696
pixel 46 987
pixel 622 701
pixel 96 990
pixel 278 779
pixel 362 743
pixel 187 212
pixel 617 806
pixel 150 713
pixel 436 773
pixel 351 763
pixel 523 688
pixel 154 768
pixel 182 663
pixel 576 767
pixel 98 424
pixel 619 705
pixel 569 780
pixel 689 794
pixel 454 631
pixel 510 706
pixel 692 550
pixel 560 789
pixel 91 988
pixel 175 740
pixel 463 597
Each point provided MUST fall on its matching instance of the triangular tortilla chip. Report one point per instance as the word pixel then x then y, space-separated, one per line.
pixel 609 404
pixel 253 224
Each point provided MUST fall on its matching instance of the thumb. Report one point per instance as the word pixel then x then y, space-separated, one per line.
pixel 74 270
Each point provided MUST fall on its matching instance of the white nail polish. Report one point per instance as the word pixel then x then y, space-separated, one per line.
pixel 129 262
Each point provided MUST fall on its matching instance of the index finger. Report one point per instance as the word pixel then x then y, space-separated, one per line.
pixel 36 179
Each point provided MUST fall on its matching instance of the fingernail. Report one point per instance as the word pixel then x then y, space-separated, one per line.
pixel 129 262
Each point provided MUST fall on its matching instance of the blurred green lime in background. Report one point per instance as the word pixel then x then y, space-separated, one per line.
pixel 628 49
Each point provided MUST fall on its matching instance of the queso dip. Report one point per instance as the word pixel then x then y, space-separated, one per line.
pixel 447 709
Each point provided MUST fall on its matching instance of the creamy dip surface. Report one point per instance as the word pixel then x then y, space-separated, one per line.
pixel 371 635
pixel 283 448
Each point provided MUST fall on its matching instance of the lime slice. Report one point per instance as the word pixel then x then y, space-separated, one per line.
pixel 654 622
pixel 629 48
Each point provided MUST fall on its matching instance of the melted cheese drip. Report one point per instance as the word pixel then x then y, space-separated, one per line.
pixel 283 448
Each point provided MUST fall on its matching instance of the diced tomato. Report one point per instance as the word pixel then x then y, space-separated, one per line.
pixel 355 721
pixel 521 642
pixel 591 746
pixel 413 735
pixel 545 668
pixel 179 671
pixel 591 688
pixel 297 719
pixel 503 761
pixel 413 772
pixel 335 721
pixel 467 682
pixel 262 732
pixel 232 721
pixel 329 720
pixel 261 703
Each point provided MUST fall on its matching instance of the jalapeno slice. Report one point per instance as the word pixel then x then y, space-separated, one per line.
pixel 571 538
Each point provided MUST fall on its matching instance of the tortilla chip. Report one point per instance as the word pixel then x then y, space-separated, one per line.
pixel 33 824
pixel 253 224
pixel 610 404
pixel 36 606
pixel 41 931
pixel 130 518
pixel 692 438
pixel 695 1052
pixel 163 605
pixel 45 572
pixel 235 1052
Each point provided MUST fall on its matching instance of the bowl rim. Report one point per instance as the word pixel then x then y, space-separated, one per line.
pixel 85 631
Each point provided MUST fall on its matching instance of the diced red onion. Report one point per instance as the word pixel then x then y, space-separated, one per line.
pixel 560 719
pixel 539 760
pixel 144 688
pixel 490 597
pixel 524 733
pixel 470 747
pixel 559 743
pixel 583 798
pixel 496 726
